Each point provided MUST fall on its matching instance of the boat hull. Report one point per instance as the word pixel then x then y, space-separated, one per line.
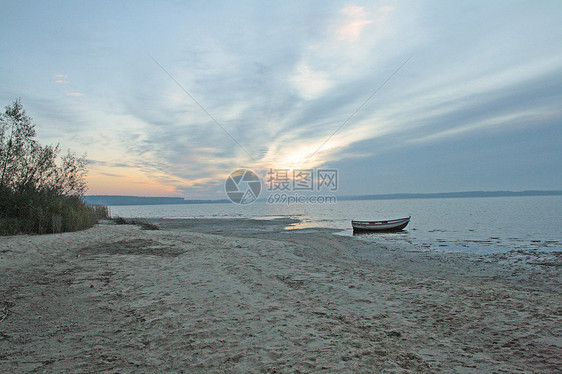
pixel 380 226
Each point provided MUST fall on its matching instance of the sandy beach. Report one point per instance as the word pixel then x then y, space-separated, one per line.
pixel 248 296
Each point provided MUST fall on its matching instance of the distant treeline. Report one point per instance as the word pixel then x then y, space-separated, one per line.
pixel 111 200
pixel 444 195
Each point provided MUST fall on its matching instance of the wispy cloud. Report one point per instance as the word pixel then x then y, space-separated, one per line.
pixel 355 21
pixel 61 79
pixel 288 79
pixel 310 84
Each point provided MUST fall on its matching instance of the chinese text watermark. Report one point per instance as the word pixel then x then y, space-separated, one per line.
pixel 285 186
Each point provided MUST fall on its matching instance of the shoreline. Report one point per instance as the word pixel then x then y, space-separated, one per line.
pixel 249 296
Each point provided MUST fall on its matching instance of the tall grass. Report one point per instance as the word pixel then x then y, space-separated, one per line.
pixel 45 213
pixel 99 212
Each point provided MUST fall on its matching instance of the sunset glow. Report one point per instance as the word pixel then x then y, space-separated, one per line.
pixel 167 99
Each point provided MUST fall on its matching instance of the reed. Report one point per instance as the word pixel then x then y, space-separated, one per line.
pixel 99 212
pixel 44 213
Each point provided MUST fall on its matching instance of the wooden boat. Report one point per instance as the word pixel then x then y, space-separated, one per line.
pixel 380 226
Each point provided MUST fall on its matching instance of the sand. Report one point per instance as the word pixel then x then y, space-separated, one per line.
pixel 247 296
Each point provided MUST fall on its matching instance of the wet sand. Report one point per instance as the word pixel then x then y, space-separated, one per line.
pixel 248 296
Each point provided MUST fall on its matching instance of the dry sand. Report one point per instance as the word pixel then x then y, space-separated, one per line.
pixel 246 296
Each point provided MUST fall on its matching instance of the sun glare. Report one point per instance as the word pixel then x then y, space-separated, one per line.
pixel 296 159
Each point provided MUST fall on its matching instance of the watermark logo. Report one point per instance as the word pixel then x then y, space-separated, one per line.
pixel 243 186
pixel 302 180
pixel 285 186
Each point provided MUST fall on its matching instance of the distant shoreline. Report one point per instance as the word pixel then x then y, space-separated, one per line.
pixel 111 200
pixel 443 195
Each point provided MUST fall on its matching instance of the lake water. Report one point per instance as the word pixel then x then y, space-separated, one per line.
pixel 465 224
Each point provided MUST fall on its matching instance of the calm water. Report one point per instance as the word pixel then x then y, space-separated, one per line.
pixel 469 224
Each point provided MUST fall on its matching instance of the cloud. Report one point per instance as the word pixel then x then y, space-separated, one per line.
pixel 107 164
pixel 280 112
pixel 356 20
pixel 490 123
pixel 61 79
pixel 310 84
pixel 281 86
pixel 112 175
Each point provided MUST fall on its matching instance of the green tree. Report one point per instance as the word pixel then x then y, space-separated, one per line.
pixel 40 191
pixel 26 164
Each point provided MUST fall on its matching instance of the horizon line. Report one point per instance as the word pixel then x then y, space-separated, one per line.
pixel 387 196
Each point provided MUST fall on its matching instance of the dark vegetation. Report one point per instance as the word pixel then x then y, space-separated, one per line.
pixel 144 225
pixel 40 191
pixel 145 200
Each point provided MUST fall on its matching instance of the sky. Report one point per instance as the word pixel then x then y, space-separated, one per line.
pixel 167 98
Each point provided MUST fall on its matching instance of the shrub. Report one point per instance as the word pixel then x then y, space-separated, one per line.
pixel 120 221
pixel 37 213
pixel 144 225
